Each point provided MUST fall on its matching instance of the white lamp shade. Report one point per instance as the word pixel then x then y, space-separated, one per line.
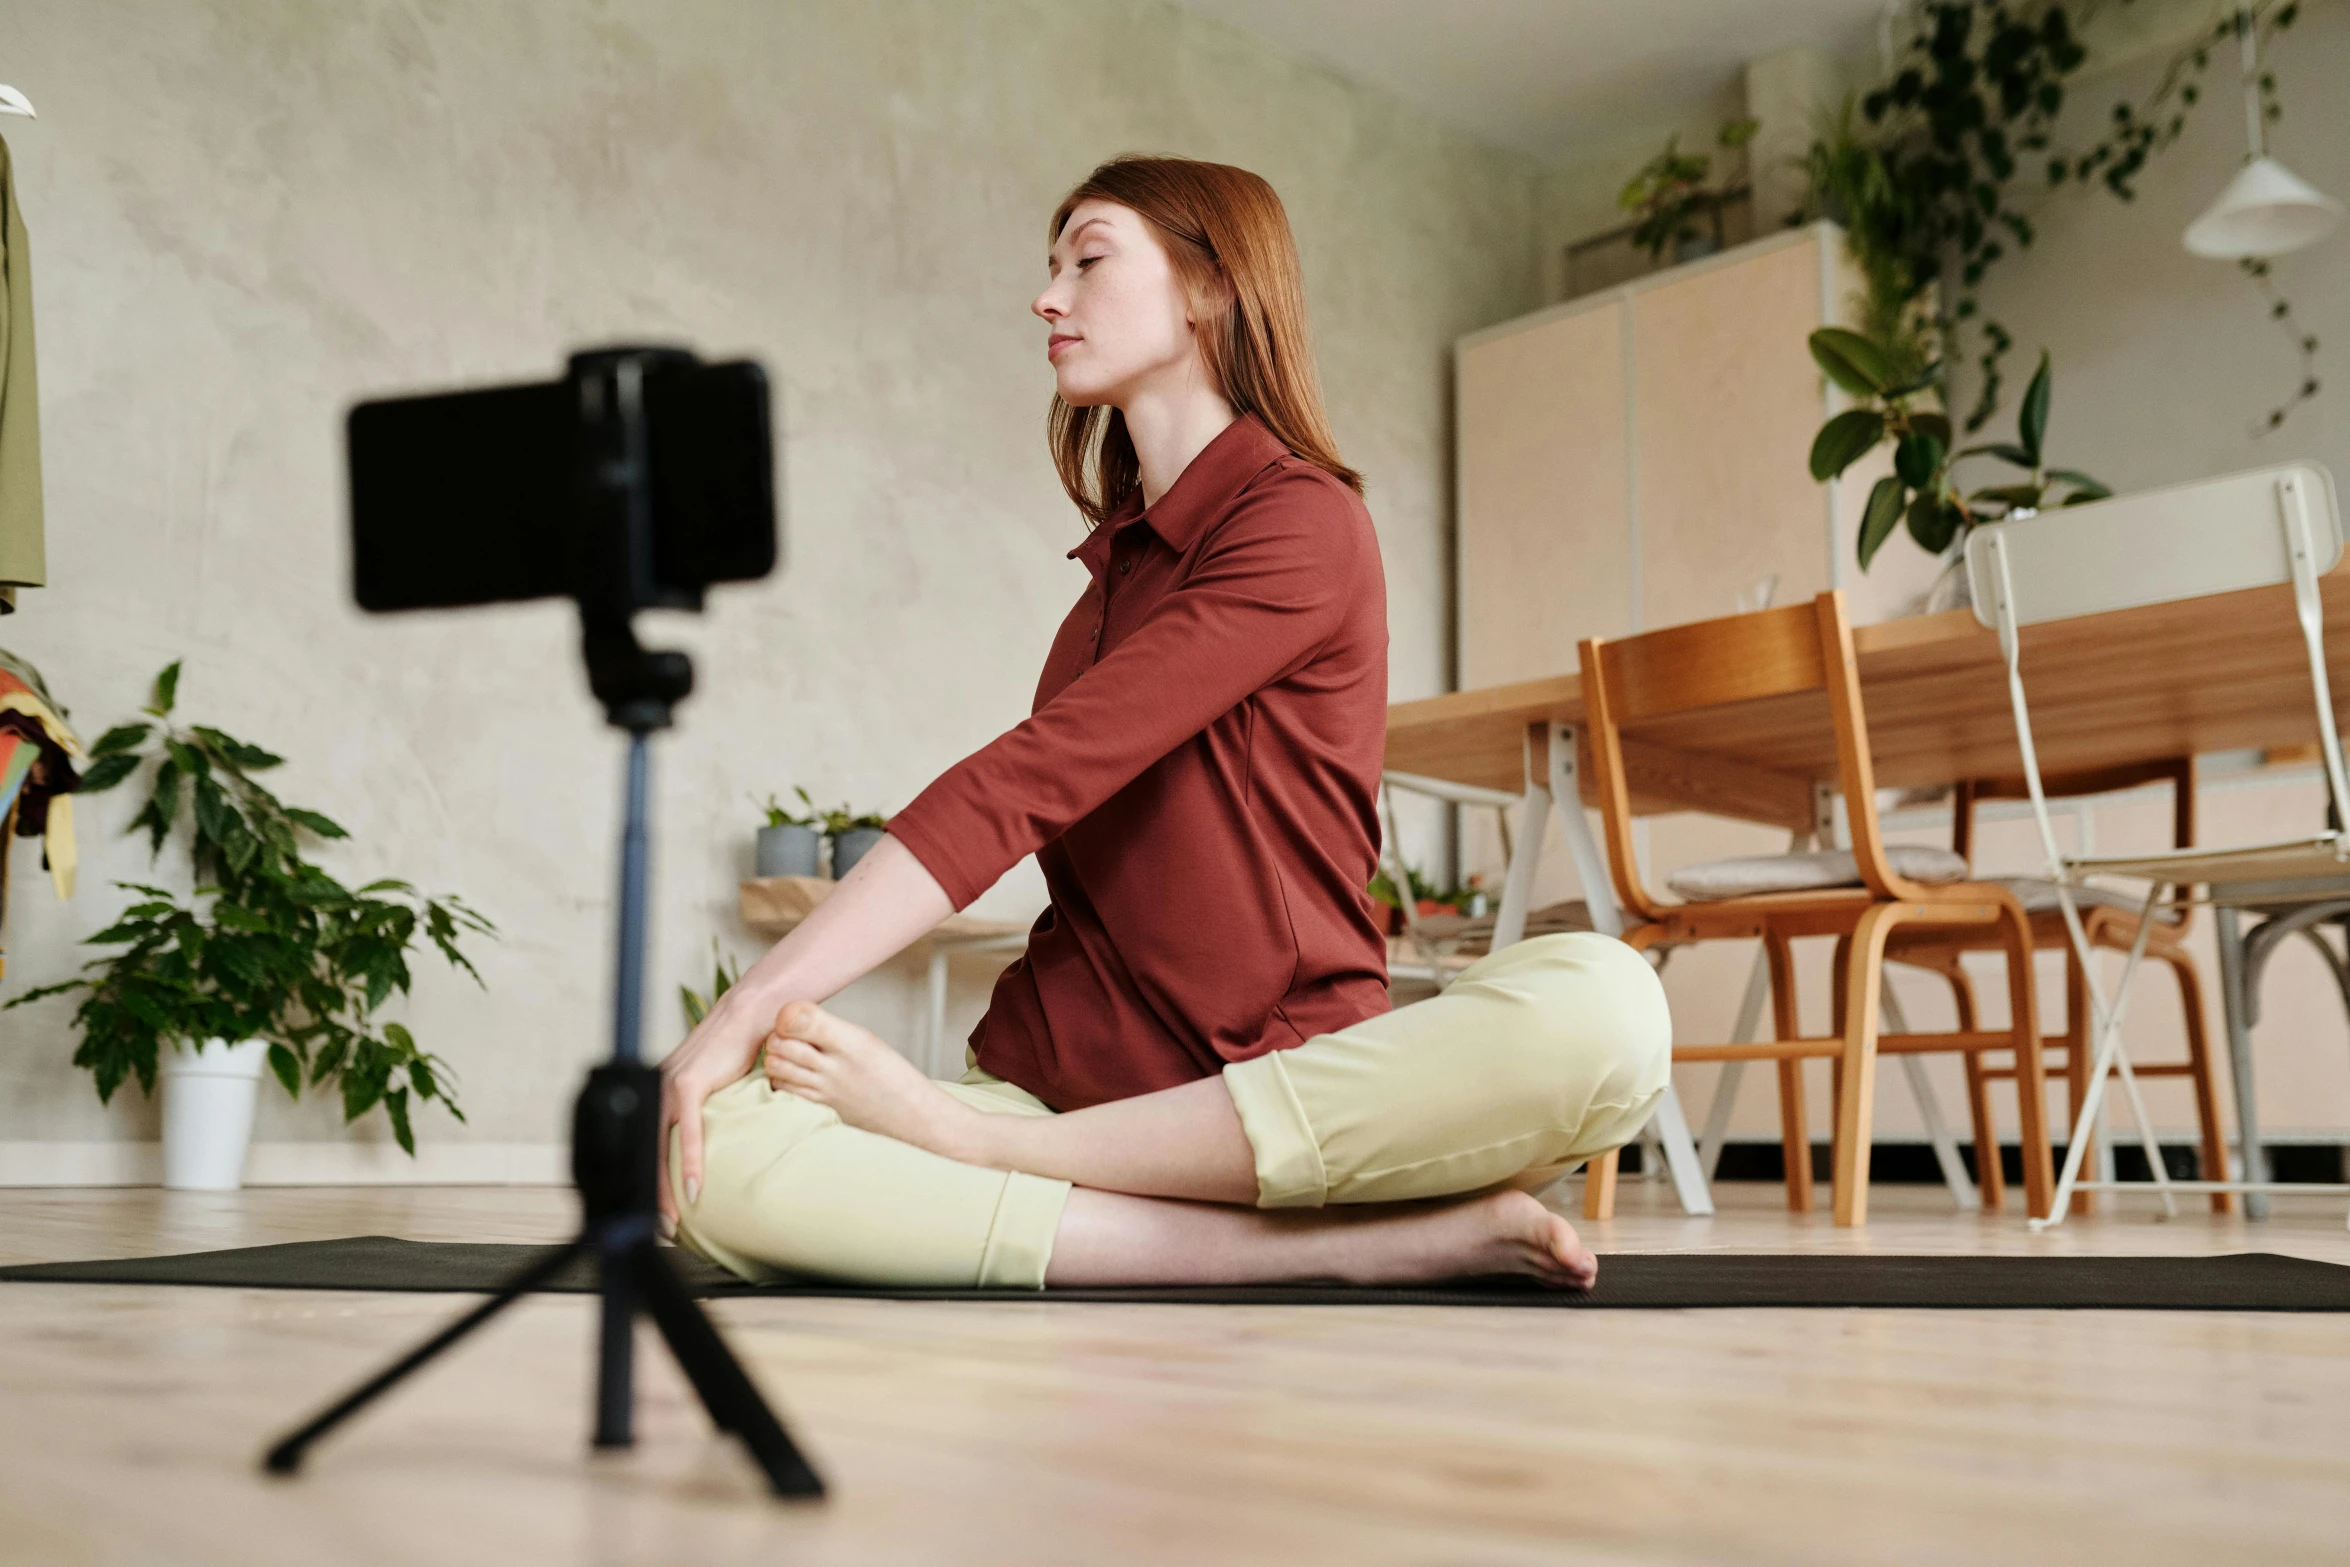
pixel 2266 210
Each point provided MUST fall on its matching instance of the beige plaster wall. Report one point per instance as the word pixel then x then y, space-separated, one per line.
pixel 244 217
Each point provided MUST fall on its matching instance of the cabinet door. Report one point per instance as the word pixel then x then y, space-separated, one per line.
pixel 1545 542
pixel 1726 401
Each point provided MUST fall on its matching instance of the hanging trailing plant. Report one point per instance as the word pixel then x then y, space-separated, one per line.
pixel 268 946
pixel 1934 172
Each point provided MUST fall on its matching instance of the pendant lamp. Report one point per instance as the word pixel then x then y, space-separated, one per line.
pixel 2266 209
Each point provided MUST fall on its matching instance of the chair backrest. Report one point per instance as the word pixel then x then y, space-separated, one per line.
pixel 1719 663
pixel 2266 527
pixel 2177 771
pixel 2184 541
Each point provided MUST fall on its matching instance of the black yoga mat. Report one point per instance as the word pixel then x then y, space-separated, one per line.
pixel 2245 1281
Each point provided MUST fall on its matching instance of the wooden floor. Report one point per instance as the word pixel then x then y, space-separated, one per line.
pixel 129 1418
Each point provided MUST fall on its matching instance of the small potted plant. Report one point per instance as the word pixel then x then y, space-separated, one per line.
pixel 790 844
pixel 268 962
pixel 853 836
pixel 1670 192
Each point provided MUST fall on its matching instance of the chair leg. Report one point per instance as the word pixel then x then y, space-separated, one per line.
pixel 1856 1085
pixel 1599 1185
pixel 1794 1137
pixel 2077 1015
pixel 2205 1073
pixel 1839 974
pixel 1990 1180
pixel 2031 1078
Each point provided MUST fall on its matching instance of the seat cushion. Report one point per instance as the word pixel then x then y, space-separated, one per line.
pixel 2038 896
pixel 1758 874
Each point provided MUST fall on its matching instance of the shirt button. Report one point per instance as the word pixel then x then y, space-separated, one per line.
pixel 1126 567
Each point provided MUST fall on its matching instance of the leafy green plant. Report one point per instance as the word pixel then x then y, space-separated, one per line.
pixel 780 815
pixel 1921 490
pixel 1670 190
pixel 724 974
pixel 1931 181
pixel 268 946
pixel 841 818
pixel 1427 897
pixel 838 819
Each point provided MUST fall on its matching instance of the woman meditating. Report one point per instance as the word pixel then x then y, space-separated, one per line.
pixel 1192 1076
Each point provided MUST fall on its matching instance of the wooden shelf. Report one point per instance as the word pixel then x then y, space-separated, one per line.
pixel 772 905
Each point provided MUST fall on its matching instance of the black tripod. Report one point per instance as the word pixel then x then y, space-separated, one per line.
pixel 615 1127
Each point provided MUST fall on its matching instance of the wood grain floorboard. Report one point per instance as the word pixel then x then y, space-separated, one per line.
pixel 1044 1434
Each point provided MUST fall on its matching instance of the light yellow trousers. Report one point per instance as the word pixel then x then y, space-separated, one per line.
pixel 1533 1060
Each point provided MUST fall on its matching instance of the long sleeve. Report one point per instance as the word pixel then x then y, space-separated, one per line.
pixel 1264 591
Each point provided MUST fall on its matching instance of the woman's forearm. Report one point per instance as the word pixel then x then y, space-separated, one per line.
pixel 888 901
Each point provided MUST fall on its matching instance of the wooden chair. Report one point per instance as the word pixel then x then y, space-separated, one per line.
pixel 1671 690
pixel 2110 921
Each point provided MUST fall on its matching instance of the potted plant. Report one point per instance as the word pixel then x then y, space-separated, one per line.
pixel 1469 898
pixel 1670 191
pixel 853 836
pixel 268 962
pixel 789 844
pixel 1921 491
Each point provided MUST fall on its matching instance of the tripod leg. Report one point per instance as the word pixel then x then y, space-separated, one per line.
pixel 286 1456
pixel 616 1353
pixel 725 1388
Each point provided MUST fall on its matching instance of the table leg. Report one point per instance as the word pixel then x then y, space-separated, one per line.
pixel 934 1035
pixel 1607 917
pixel 1517 882
pixel 1921 1089
pixel 1717 1116
pixel 2234 1003
pixel 1750 1005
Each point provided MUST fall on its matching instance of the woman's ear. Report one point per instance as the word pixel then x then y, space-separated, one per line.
pixel 1216 300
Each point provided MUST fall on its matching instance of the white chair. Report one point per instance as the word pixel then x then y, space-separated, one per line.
pixel 2266 528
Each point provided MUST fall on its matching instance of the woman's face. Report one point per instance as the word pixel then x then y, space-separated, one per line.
pixel 1119 322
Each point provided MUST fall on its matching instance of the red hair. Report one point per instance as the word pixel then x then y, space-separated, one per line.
pixel 1226 234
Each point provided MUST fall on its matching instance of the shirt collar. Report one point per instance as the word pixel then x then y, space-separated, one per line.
pixel 1241 451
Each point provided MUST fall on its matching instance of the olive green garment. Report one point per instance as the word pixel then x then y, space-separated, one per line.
pixel 23 557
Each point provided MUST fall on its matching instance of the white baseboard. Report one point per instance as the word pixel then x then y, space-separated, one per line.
pixel 296 1164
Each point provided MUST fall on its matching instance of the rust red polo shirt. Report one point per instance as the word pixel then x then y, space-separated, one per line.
pixel 1198 780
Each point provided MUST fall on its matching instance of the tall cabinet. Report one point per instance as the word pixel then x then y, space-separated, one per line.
pixel 1637 458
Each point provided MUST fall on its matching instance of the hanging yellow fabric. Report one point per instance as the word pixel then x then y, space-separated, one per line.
pixel 23 552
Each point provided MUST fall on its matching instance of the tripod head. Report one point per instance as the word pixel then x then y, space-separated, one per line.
pixel 639 687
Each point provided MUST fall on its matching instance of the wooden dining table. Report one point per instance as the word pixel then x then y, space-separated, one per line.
pixel 2222 673
pixel 2226 672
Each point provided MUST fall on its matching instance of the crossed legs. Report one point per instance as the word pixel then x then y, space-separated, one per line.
pixel 1403 1148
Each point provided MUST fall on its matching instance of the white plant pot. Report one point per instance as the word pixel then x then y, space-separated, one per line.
pixel 208 1099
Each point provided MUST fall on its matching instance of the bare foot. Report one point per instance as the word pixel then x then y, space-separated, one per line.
pixel 1501 1232
pixel 850 1071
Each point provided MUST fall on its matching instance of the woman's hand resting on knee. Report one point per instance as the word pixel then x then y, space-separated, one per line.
pixel 885 903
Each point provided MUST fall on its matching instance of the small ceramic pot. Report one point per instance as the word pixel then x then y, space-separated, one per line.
pixel 208 1113
pixel 851 846
pixel 789 851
